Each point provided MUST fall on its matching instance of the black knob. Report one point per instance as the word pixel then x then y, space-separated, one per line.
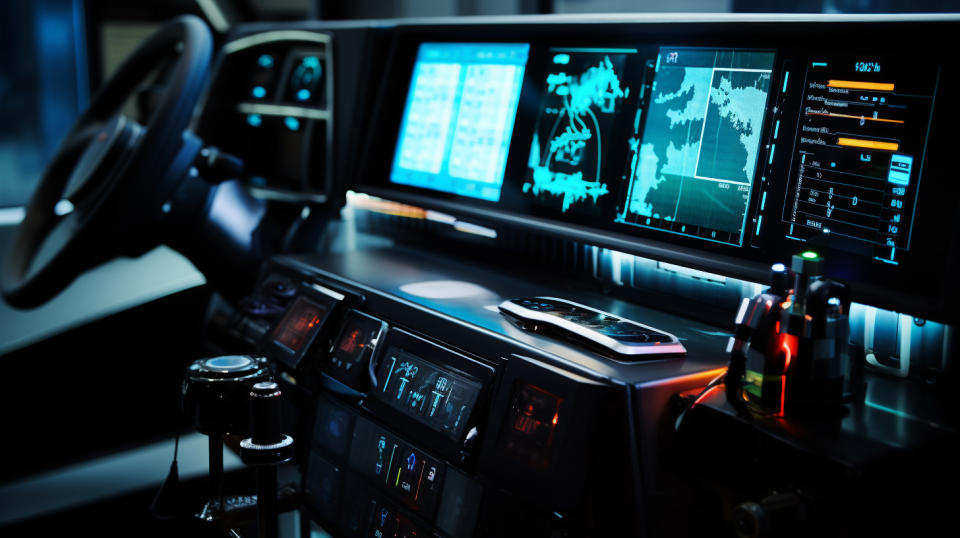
pixel 781 279
pixel 215 392
pixel 266 426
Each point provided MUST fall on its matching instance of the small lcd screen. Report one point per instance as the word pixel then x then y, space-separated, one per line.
pixel 299 324
pixel 435 396
pixel 693 168
pixel 458 118
pixel 530 428
pixel 348 361
pixel 332 427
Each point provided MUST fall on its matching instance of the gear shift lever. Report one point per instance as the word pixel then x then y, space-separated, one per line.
pixel 215 396
pixel 266 448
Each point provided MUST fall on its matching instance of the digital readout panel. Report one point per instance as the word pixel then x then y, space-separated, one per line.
pixel 432 395
pixel 348 360
pixel 692 170
pixel 302 320
pixel 459 116
pixel 856 169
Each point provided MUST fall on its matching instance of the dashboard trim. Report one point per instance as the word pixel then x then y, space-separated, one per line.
pixel 254 40
pixel 268 109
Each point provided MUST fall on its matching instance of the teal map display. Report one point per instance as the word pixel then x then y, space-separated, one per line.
pixel 693 170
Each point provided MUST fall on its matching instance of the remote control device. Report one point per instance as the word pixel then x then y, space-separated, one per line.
pixel 611 333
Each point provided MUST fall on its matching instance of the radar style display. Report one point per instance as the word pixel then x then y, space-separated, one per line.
pixel 458 119
pixel 862 132
pixel 692 172
pixel 583 96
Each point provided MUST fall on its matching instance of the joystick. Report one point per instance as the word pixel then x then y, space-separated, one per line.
pixel 266 448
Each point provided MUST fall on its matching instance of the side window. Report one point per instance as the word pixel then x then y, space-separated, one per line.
pixel 43 85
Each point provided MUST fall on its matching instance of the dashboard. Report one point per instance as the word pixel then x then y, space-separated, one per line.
pixel 723 147
pixel 717 147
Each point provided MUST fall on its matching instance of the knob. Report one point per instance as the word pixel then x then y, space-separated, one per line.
pixel 267 444
pixel 215 392
pixel 265 413
pixel 781 279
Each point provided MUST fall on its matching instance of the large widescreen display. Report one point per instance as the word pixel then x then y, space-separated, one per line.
pixel 693 168
pixel 458 119
pixel 695 145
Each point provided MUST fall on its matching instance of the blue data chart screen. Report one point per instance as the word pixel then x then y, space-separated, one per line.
pixel 693 169
pixel 458 118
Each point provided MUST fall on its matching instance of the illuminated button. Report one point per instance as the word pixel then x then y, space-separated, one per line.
pixel 807 263
pixel 292 123
pixel 255 120
pixel 900 166
pixel 265 61
pixel 303 94
pixel 258 92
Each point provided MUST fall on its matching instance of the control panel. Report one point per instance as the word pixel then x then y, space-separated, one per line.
pixel 415 423
pixel 272 102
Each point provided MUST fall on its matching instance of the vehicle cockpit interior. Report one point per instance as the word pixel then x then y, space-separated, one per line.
pixel 449 269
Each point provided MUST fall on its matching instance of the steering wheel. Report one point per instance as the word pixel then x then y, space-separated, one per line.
pixel 107 190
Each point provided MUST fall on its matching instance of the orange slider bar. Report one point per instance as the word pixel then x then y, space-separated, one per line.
pixel 865 118
pixel 869 144
pixel 861 85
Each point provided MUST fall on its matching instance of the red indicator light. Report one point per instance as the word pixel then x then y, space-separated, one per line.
pixel 556 417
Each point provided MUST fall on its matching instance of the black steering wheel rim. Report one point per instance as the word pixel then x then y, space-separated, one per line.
pixel 50 250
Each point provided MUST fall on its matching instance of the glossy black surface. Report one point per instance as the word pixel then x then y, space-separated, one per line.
pixel 385 276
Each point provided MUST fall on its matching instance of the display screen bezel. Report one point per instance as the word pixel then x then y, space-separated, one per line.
pixel 293 357
pixel 400 175
pixel 905 287
pixel 443 359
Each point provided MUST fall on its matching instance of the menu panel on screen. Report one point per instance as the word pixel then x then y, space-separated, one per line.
pixel 856 168
pixel 459 116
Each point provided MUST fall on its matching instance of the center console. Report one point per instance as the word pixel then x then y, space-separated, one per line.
pixel 430 411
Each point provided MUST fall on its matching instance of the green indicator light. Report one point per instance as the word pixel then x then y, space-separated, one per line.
pixel 810 255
